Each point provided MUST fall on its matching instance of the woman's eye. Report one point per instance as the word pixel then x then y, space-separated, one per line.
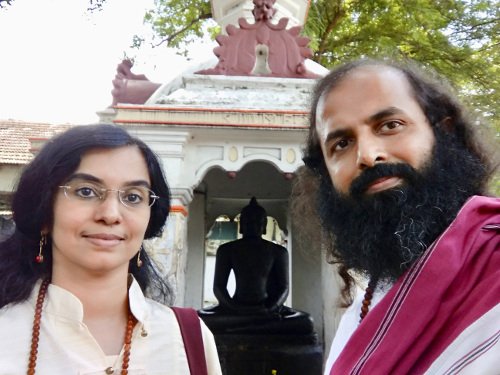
pixel 86 192
pixel 133 198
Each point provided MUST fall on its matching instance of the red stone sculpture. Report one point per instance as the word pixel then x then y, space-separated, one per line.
pixel 262 48
pixel 263 9
pixel 131 88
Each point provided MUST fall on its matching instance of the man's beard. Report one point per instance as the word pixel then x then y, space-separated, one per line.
pixel 381 235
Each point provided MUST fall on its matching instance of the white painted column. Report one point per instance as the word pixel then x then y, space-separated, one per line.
pixel 170 250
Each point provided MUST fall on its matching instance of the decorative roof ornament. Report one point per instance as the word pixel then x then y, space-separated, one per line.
pixel 262 48
pixel 263 10
pixel 131 88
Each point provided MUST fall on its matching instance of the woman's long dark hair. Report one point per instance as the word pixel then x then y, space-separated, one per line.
pixel 33 201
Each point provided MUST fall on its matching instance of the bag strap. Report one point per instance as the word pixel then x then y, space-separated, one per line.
pixel 189 324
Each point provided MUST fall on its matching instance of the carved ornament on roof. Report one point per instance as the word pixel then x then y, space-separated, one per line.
pixel 131 88
pixel 263 9
pixel 262 48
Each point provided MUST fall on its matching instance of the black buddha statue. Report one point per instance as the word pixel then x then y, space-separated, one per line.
pixel 261 272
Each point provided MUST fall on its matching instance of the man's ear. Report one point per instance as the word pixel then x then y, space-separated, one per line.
pixel 446 125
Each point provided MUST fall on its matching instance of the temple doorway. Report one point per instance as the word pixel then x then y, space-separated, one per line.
pixel 217 202
pixel 226 229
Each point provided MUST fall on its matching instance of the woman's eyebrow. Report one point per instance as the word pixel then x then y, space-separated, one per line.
pixel 138 183
pixel 85 177
pixel 91 178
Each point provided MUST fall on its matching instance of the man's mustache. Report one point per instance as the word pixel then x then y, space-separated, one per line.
pixel 402 170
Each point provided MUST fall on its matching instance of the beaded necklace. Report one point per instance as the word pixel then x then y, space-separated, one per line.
pixel 35 336
pixel 367 299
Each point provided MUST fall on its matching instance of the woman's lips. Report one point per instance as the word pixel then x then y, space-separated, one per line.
pixel 103 239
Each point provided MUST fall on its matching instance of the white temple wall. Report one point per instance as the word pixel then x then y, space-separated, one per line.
pixel 306 280
pixel 232 152
pixel 195 268
pixel 9 174
pixel 332 310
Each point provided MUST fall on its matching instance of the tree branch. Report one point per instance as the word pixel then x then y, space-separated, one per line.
pixel 171 37
pixel 4 3
pixel 329 28
pixel 471 28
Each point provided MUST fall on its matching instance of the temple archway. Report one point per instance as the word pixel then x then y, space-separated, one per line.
pixel 225 193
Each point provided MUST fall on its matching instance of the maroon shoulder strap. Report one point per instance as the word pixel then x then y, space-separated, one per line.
pixel 193 341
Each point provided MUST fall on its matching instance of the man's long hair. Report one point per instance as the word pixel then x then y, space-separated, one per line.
pixel 446 117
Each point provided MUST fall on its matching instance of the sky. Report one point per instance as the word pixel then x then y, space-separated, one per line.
pixel 57 61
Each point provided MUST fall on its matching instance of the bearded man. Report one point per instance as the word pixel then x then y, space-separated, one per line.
pixel 401 184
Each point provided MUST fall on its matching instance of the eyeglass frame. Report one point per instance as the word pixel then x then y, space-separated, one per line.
pixel 105 191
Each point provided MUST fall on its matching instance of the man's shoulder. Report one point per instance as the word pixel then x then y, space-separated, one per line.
pixel 475 350
pixel 480 206
pixel 477 215
pixel 482 201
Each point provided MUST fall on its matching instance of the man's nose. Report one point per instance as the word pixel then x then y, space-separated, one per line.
pixel 370 151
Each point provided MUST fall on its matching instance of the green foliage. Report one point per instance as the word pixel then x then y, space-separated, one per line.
pixel 180 22
pixel 459 39
pixel 494 187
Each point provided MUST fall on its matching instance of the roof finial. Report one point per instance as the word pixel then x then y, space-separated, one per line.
pixel 263 10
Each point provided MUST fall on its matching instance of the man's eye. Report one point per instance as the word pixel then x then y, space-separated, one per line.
pixel 390 125
pixel 341 145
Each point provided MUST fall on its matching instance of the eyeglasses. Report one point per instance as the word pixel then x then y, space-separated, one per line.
pixel 132 196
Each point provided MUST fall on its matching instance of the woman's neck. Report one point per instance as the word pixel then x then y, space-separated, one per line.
pixel 105 305
pixel 98 293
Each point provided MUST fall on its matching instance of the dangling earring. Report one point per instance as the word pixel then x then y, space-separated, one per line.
pixel 43 242
pixel 139 261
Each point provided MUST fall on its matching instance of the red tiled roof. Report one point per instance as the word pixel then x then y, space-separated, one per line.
pixel 15 139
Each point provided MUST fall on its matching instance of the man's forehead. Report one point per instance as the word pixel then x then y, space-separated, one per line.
pixel 359 76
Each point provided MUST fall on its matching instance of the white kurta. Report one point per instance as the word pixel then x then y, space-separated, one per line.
pixel 67 347
pixel 348 324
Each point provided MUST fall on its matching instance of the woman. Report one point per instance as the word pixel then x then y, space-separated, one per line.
pixel 73 273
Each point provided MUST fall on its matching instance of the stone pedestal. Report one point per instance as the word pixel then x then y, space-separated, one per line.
pixel 261 354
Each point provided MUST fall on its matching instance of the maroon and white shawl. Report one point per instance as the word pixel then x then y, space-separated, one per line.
pixel 450 298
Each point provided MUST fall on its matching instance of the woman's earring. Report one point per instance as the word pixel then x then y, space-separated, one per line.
pixel 139 261
pixel 43 242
